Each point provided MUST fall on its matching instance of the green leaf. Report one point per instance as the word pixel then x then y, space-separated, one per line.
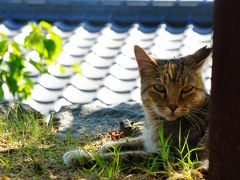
pixel 15 48
pixel 29 82
pixel 50 47
pixel 57 39
pixel 45 25
pixel 12 85
pixel 3 37
pixel 39 66
pixel 15 64
pixel 3 47
pixel 33 39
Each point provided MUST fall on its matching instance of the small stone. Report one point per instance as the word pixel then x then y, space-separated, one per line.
pixel 126 127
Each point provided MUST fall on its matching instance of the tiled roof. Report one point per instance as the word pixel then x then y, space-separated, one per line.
pixel 109 70
pixel 108 10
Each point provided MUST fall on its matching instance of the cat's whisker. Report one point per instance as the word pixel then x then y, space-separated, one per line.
pixel 197 122
pixel 200 110
pixel 155 106
pixel 198 119
pixel 154 111
pixel 195 126
pixel 199 113
pixel 150 110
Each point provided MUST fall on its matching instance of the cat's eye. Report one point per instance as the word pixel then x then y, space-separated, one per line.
pixel 187 89
pixel 159 88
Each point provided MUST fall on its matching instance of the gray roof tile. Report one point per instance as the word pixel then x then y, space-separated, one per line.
pixel 117 85
pixel 164 53
pixel 73 50
pixel 93 72
pixel 104 52
pixel 127 50
pixel 67 60
pixel 7 31
pixel 41 94
pixel 60 103
pixel 163 33
pixel 44 108
pixel 189 32
pixel 12 25
pixel 109 43
pixel 131 41
pixel 126 62
pixel 122 73
pixel 49 81
pixel 136 33
pixel 86 34
pixel 61 33
pixel 167 44
pixel 79 41
pixel 60 71
pixel 114 35
pixel 74 95
pixel 109 97
pixel 84 83
pixel 97 61
pixel 135 95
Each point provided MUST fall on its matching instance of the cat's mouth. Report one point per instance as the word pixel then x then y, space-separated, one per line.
pixel 171 117
pixel 179 112
pixel 164 114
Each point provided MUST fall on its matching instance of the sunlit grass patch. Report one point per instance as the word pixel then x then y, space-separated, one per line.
pixel 31 149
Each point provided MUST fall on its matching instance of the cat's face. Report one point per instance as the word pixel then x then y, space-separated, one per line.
pixel 172 88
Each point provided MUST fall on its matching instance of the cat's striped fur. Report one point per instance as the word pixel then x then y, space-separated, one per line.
pixel 172 93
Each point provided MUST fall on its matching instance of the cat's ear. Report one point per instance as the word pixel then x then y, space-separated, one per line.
pixel 198 59
pixel 145 62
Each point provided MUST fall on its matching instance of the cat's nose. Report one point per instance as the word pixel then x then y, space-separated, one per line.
pixel 173 107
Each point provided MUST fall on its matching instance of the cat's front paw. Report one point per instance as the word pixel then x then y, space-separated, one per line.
pixel 76 157
pixel 203 167
pixel 109 147
pixel 105 148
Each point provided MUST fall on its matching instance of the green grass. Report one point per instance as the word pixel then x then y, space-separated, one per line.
pixel 184 165
pixel 31 149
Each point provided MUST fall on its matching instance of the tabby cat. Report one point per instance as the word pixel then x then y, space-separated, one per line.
pixel 173 95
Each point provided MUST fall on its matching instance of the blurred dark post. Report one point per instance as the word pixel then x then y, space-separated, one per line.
pixel 225 108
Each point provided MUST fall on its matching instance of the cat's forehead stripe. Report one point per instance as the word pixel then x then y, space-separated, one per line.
pixel 173 71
